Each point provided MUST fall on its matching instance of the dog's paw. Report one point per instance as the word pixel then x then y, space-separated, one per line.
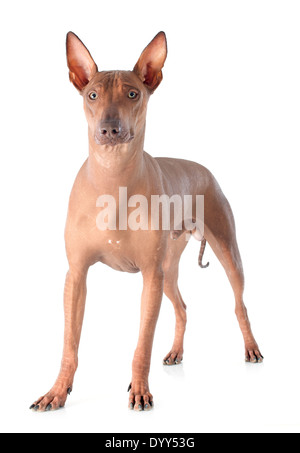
pixel 53 400
pixel 253 355
pixel 140 398
pixel 173 358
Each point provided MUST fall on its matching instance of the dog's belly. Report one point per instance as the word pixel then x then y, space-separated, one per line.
pixel 117 250
pixel 119 263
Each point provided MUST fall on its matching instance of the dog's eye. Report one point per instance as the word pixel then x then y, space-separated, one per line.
pixel 93 95
pixel 132 94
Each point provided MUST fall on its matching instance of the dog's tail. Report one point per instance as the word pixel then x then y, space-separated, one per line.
pixel 201 253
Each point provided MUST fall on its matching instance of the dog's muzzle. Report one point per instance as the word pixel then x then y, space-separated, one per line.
pixel 111 132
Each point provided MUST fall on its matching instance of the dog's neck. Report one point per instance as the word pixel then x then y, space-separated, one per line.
pixel 116 166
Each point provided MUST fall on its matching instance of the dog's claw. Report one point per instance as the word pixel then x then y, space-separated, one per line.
pixel 173 359
pixel 140 399
pixel 54 399
pixel 253 356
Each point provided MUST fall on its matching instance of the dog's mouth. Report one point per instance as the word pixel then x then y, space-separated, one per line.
pixel 113 139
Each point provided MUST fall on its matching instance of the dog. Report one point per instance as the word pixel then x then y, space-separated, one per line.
pixel 115 104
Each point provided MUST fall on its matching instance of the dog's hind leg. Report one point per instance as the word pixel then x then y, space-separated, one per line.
pixel 221 236
pixel 172 292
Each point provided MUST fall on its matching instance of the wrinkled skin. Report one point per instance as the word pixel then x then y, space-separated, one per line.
pixel 116 129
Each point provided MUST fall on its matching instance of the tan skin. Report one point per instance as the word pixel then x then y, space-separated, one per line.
pixel 115 104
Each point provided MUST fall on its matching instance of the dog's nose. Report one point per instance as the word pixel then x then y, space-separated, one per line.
pixel 110 128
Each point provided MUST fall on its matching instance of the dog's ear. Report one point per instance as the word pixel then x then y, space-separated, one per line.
pixel 151 62
pixel 80 63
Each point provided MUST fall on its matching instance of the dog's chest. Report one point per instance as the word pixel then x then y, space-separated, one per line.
pixel 106 227
pixel 123 250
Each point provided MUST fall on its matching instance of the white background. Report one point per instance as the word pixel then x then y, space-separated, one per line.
pixel 230 99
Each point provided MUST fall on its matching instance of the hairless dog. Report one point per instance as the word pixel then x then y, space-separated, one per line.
pixel 115 104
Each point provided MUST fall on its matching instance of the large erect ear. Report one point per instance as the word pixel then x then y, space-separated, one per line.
pixel 80 63
pixel 151 62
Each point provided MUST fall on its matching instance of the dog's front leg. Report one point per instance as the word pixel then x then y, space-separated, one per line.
pixel 140 398
pixel 74 303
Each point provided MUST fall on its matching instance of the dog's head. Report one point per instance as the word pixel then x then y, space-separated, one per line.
pixel 115 101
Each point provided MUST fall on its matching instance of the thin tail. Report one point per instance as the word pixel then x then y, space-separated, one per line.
pixel 203 244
